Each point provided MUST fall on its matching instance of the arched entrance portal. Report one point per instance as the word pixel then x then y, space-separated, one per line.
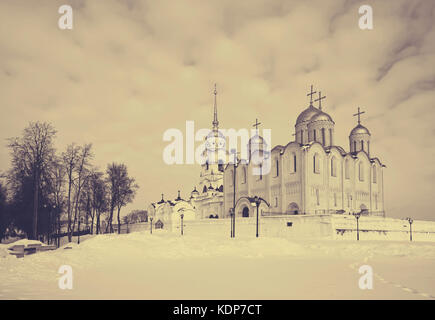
pixel 293 208
pixel 245 212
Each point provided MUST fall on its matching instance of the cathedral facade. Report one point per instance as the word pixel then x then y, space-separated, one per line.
pixel 206 201
pixel 310 175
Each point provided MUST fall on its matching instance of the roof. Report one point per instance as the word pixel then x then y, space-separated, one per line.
pixel 307 114
pixel 321 116
pixel 359 129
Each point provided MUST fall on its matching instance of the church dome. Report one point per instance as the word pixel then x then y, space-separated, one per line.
pixel 215 134
pixel 307 114
pixel 256 140
pixel 321 116
pixel 359 129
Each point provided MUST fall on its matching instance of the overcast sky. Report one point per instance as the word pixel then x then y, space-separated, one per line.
pixel 129 70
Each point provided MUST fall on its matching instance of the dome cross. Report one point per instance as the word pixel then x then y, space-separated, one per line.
pixel 359 113
pixel 311 95
pixel 320 98
pixel 256 124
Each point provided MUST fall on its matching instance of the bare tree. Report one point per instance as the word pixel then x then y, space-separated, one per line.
pixel 70 160
pixel 99 198
pixel 76 161
pixel 82 172
pixel 30 155
pixel 122 190
pixel 58 175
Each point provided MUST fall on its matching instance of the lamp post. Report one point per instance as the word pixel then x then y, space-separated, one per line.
pixel 236 162
pixel 231 218
pixel 357 216
pixel 410 227
pixel 257 202
pixel 151 225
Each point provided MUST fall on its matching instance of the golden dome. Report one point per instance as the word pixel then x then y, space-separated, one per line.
pixel 359 129
pixel 321 116
pixel 307 114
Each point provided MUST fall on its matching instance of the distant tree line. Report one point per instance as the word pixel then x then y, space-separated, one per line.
pixel 44 189
pixel 136 216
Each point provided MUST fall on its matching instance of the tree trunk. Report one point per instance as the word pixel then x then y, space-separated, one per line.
pixel 69 206
pixel 119 221
pixel 98 223
pixel 35 205
pixel 92 222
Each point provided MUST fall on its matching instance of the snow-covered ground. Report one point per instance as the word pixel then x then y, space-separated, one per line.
pixel 165 265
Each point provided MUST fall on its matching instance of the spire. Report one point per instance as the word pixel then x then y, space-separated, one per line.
pixel 359 114
pixel 215 117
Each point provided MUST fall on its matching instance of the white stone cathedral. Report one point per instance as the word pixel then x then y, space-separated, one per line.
pixel 310 175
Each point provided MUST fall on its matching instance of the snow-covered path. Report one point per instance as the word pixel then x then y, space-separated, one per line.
pixel 168 266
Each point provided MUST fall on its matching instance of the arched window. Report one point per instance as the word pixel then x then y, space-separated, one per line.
pixel 316 163
pixel 346 169
pixel 294 162
pixel 333 167
pixel 277 167
pixel 362 145
pixel 361 171
pixel 375 176
pixel 323 137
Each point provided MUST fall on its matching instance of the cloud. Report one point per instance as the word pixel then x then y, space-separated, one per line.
pixel 129 70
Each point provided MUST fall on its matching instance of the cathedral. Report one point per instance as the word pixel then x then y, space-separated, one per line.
pixel 310 175
pixel 206 201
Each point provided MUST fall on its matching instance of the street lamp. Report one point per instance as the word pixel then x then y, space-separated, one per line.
pixel 151 224
pixel 231 219
pixel 256 203
pixel 357 216
pixel 410 228
pixel 236 162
